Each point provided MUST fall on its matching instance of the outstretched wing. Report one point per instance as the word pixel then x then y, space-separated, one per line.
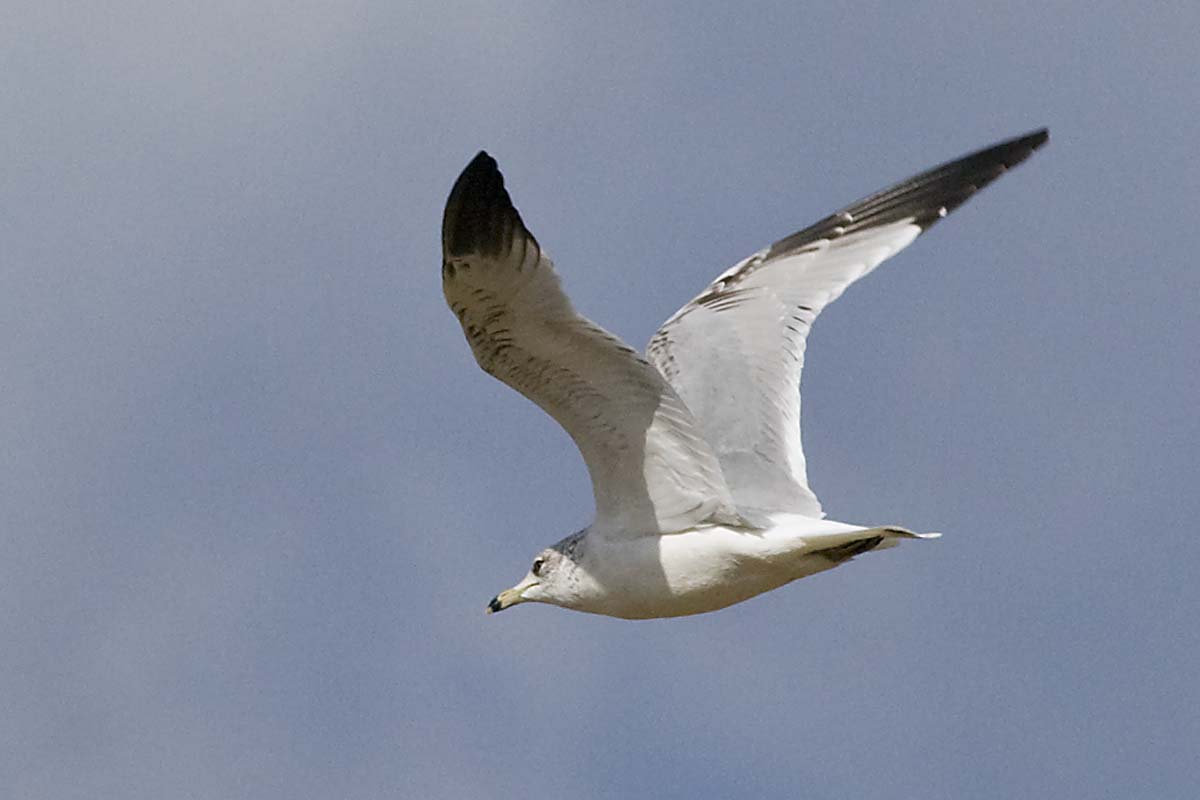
pixel 651 469
pixel 735 352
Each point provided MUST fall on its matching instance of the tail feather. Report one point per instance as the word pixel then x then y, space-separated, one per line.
pixel 845 552
pixel 844 548
pixel 893 536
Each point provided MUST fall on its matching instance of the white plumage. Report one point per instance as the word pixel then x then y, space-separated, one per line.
pixel 699 477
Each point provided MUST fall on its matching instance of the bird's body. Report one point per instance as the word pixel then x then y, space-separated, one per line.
pixel 706 567
pixel 700 481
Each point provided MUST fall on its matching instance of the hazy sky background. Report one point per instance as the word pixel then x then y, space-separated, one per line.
pixel 255 493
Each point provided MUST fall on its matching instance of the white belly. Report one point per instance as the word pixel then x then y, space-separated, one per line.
pixel 710 568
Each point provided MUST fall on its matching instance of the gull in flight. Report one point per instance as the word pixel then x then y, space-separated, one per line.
pixel 702 498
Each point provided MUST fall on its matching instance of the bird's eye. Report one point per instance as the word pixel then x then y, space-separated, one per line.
pixel 537 566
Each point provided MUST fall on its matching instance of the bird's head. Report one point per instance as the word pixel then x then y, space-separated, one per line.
pixel 548 581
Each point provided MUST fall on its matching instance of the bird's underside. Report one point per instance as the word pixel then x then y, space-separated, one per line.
pixel 698 440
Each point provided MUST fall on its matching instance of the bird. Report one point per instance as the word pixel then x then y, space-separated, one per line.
pixel 693 447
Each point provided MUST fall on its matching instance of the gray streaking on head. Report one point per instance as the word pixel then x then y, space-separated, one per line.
pixel 702 497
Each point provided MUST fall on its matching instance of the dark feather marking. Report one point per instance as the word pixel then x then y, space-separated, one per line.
pixel 847 551
pixel 480 217
pixel 926 198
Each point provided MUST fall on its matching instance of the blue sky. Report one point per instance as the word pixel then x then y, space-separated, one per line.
pixel 256 493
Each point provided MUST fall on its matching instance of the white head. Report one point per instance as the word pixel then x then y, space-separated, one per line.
pixel 554 578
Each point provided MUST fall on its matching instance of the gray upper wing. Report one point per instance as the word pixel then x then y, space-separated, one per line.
pixel 736 351
pixel 651 469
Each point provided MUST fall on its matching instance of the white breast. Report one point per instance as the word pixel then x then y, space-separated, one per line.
pixel 703 569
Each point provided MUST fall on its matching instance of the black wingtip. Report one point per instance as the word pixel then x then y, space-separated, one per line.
pixel 1011 151
pixel 482 161
pixel 1037 138
pixel 961 178
pixel 480 217
pixel 924 198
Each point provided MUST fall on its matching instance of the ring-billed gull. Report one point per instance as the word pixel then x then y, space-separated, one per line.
pixel 702 497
